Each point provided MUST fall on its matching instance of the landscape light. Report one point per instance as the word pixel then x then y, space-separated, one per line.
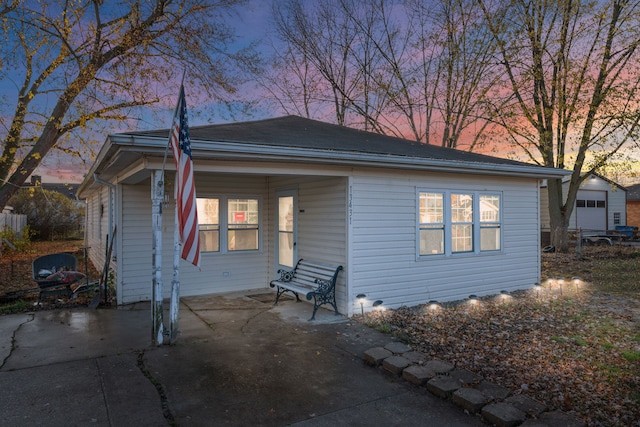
pixel 504 295
pixel 576 282
pixel 361 298
pixel 377 305
pixel 537 286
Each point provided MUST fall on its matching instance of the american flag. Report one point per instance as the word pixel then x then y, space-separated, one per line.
pixel 185 187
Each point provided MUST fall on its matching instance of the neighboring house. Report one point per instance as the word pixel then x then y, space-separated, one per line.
pixel 633 205
pixel 600 206
pixel 67 190
pixel 409 222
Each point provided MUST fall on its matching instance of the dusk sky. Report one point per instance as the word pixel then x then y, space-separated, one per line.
pixel 251 23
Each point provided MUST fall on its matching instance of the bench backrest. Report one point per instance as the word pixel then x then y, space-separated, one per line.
pixel 307 272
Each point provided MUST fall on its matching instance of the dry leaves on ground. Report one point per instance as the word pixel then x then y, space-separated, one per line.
pixel 578 351
pixel 16 272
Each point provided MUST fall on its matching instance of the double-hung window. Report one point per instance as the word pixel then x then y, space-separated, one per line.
pixel 209 224
pixel 461 224
pixel 431 223
pixel 229 224
pixel 453 222
pixel 242 224
pixel 490 226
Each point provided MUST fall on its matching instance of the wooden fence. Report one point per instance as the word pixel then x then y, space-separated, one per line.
pixel 15 222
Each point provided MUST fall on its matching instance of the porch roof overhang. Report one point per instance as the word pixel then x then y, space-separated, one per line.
pixel 134 155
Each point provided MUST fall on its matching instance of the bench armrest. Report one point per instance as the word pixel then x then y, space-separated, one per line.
pixel 324 286
pixel 286 275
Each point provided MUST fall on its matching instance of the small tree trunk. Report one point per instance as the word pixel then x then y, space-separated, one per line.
pixel 559 237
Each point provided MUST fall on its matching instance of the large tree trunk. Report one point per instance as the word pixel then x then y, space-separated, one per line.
pixel 558 216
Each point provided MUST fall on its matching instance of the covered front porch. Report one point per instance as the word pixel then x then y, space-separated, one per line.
pixel 251 225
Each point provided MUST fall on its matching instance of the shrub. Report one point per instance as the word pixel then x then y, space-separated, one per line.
pixel 50 214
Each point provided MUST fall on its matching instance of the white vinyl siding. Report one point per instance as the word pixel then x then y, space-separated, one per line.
pixel 98 226
pixel 219 272
pixel 383 259
pixel 322 210
pixel 361 218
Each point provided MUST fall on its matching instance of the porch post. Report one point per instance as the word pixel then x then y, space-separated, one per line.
pixel 157 197
pixel 175 282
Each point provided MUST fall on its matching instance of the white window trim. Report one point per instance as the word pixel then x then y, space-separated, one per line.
pixel 447 223
pixel 223 209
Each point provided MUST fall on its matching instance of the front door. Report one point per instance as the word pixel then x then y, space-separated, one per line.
pixel 286 229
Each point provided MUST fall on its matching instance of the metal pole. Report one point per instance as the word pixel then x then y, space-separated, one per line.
pixel 579 243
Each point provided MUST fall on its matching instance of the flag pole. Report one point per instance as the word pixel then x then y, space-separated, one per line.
pixel 174 306
pixel 157 198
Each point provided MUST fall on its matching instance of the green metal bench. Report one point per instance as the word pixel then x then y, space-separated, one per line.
pixel 315 280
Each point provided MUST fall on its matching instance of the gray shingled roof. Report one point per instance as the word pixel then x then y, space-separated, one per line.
pixel 633 192
pixel 294 131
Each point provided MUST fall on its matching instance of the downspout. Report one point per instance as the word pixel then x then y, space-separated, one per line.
pixel 112 208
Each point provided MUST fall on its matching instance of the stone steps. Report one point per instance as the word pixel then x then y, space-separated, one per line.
pixel 496 404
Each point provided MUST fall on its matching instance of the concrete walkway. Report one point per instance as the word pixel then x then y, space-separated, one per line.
pixel 239 361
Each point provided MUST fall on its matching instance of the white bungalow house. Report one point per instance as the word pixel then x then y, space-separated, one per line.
pixel 600 206
pixel 409 222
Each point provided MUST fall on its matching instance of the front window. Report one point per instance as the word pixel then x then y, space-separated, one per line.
pixel 228 224
pixel 209 224
pixel 243 224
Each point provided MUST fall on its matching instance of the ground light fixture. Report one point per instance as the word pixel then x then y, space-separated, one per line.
pixel 377 305
pixel 504 295
pixel 537 287
pixel 473 299
pixel 576 282
pixel 361 298
pixel 433 305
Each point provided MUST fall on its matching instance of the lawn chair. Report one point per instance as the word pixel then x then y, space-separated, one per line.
pixel 56 274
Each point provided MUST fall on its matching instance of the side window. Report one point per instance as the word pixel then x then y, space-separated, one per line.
pixel 431 223
pixel 490 223
pixel 461 223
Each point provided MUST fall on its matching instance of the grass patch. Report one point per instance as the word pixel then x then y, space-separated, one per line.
pixel 607 346
pixel 18 306
pixel 579 340
pixel 631 356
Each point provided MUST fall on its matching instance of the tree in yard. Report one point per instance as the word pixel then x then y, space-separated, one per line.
pixel 572 72
pixel 72 64
pixel 411 69
pixel 321 35
pixel 50 214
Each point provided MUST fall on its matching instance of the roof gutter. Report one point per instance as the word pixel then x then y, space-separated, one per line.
pixel 253 151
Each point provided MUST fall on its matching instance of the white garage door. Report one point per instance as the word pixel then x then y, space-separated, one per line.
pixel 591 210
